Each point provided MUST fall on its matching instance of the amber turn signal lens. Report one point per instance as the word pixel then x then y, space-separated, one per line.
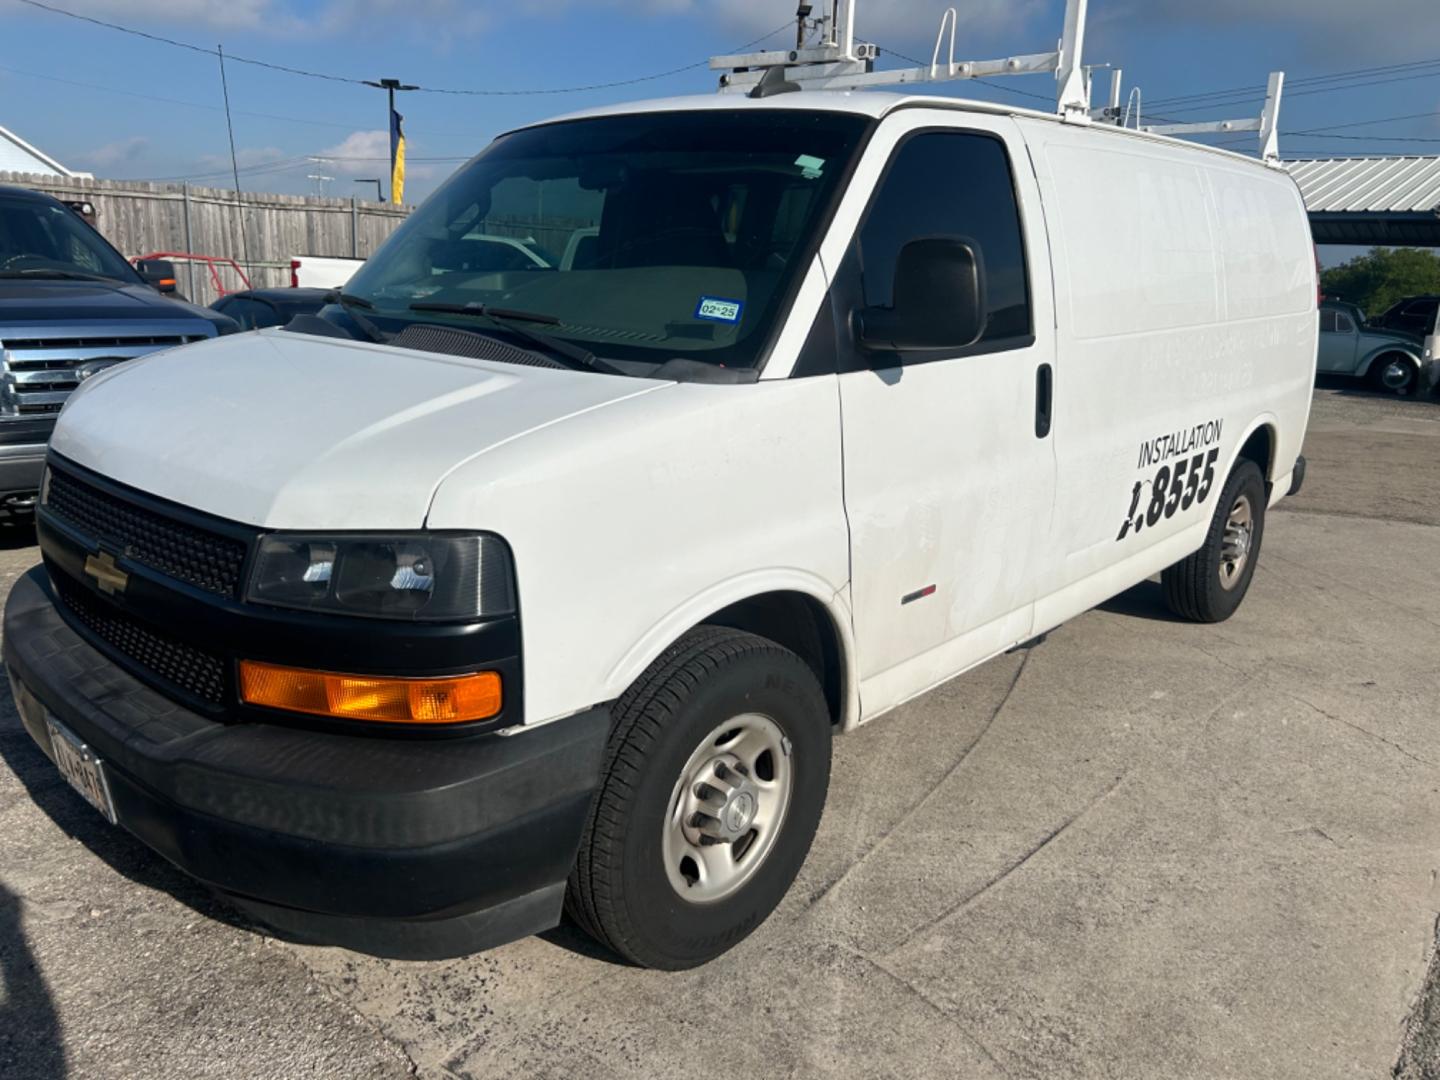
pixel 451 700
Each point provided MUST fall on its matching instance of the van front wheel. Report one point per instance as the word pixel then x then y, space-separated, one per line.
pixel 1209 585
pixel 714 783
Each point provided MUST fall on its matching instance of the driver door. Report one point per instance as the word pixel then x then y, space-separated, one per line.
pixel 949 466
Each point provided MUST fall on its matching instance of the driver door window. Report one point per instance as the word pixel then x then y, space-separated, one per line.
pixel 951 184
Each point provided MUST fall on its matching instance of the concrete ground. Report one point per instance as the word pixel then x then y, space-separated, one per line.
pixel 1139 849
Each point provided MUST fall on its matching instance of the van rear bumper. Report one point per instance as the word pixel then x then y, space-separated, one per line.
pixel 408 847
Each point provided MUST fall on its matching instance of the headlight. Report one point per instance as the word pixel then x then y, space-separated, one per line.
pixel 416 576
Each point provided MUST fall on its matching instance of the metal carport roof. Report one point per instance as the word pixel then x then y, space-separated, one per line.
pixel 1386 200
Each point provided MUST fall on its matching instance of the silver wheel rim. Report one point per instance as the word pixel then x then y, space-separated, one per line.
pixel 1236 543
pixel 727 808
pixel 1396 375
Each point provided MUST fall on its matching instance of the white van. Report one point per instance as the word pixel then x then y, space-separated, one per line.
pixel 496 589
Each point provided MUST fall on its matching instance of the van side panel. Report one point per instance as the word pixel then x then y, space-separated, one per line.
pixel 1185 306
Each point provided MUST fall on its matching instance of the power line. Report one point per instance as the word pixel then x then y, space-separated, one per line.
pixel 234 161
pixel 330 77
pixel 356 125
pixel 1303 81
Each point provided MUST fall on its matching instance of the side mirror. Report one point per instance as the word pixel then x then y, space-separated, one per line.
pixel 159 273
pixel 939 300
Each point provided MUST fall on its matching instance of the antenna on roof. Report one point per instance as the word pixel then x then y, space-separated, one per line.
pixel 839 62
pixel 1267 124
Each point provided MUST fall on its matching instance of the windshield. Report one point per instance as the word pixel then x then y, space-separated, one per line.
pixel 644 237
pixel 41 239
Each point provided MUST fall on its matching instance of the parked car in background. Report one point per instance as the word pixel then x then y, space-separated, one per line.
pixel 322 271
pixel 1413 315
pixel 255 309
pixel 1390 360
pixel 70 306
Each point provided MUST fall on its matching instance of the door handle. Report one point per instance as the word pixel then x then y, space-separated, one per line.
pixel 1044 393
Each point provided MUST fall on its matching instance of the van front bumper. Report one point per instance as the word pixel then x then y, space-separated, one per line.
pixel 398 846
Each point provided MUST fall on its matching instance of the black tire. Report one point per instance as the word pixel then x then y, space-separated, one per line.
pixel 1194 588
pixel 1378 379
pixel 619 891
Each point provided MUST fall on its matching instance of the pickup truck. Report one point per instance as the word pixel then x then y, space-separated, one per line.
pixel 70 306
pixel 322 271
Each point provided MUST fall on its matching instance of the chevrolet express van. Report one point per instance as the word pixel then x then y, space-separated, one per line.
pixel 490 592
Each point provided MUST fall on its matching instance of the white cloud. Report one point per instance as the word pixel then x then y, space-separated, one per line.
pixel 367 153
pixel 113 154
pixel 885 20
pixel 906 21
pixel 1334 28
pixel 246 157
pixel 218 14
pixel 360 153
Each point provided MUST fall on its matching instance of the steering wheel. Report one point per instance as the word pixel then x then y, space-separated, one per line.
pixel 40 260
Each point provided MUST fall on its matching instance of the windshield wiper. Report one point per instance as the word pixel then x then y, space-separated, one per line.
pixel 513 321
pixel 350 304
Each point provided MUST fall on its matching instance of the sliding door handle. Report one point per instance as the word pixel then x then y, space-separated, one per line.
pixel 1044 394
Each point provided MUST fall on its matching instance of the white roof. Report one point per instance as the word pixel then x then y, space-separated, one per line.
pixel 17 155
pixel 1395 185
pixel 872 103
pixel 864 102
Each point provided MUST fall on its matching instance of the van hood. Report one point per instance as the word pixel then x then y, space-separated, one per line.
pixel 285 431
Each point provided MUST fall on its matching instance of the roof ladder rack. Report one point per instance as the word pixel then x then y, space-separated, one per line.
pixel 839 62
pixel 1267 123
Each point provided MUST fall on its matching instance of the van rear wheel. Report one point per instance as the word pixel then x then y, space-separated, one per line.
pixel 1209 585
pixel 714 784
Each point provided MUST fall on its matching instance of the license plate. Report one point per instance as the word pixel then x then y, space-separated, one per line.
pixel 79 765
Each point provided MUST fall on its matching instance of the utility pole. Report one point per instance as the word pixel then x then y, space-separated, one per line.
pixel 320 182
pixel 390 86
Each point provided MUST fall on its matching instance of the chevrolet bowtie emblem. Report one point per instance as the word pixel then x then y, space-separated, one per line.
pixel 109 577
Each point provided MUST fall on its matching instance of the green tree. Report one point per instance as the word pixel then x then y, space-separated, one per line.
pixel 1376 280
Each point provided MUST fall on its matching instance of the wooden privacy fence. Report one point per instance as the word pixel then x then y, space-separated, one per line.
pixel 140 217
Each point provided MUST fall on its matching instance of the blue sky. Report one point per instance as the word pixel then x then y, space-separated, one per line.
pixel 113 127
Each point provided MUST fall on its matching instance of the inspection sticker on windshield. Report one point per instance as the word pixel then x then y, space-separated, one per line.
pixel 810 166
pixel 719 309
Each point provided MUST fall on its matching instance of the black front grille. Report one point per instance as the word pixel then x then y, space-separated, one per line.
pixel 193 671
pixel 193 555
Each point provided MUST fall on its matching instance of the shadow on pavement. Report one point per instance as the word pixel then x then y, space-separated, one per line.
pixel 1144 601
pixel 29 1028
pixel 1359 388
pixel 572 939
pixel 79 820
pixel 17 533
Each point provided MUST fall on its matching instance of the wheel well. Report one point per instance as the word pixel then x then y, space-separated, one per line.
pixel 1386 354
pixel 802 625
pixel 1383 353
pixel 1260 448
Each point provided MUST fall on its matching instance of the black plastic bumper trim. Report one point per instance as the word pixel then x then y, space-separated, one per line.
pixel 318 824
pixel 1297 477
